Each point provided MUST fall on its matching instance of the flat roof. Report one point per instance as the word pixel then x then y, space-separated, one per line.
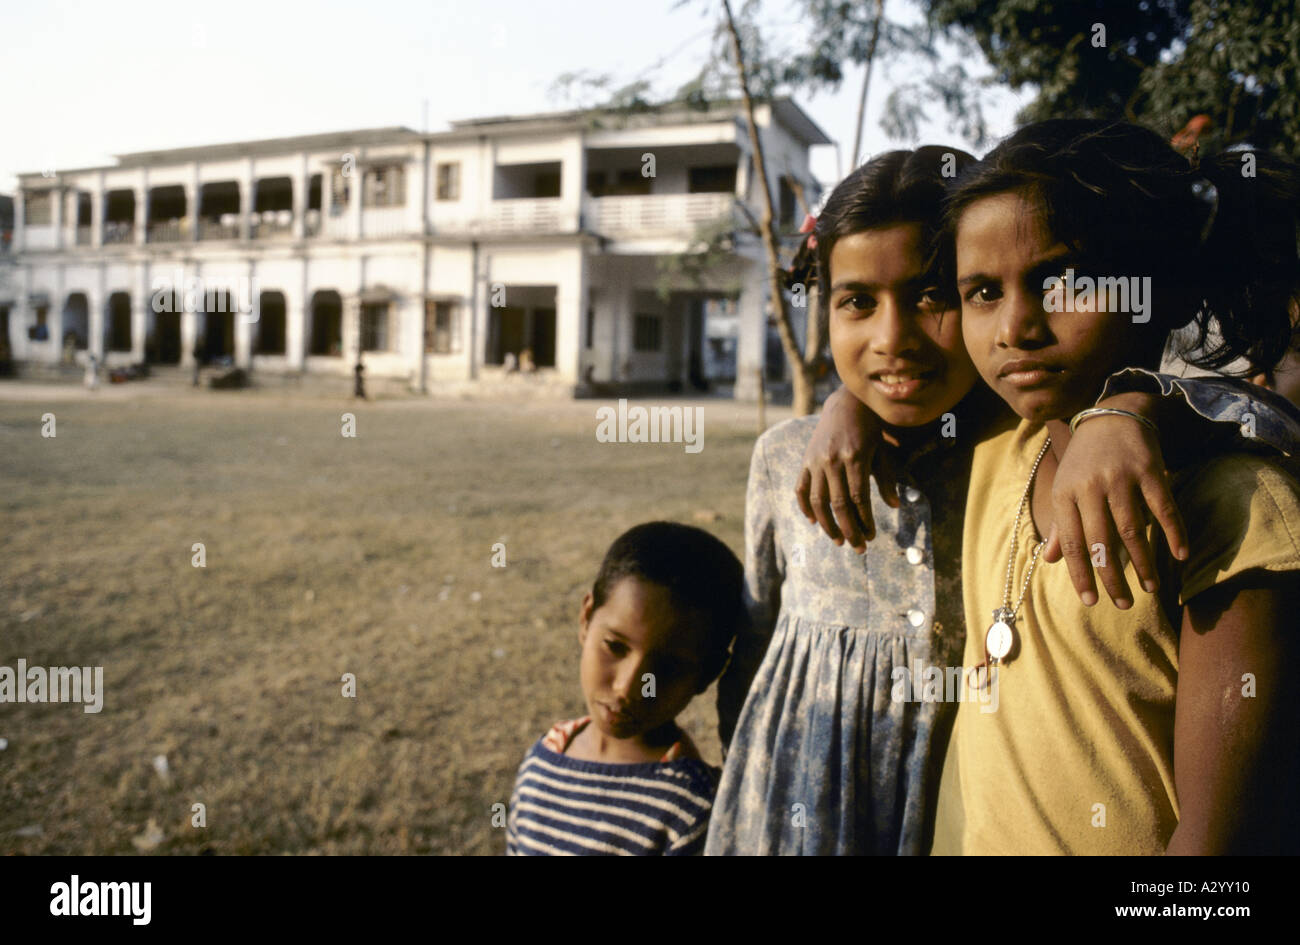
pixel 785 110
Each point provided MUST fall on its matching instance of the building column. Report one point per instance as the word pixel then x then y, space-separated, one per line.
pixel 20 219
pixel 189 332
pixel 751 341
pixel 354 199
pixel 573 183
pixel 59 195
pixel 140 309
pixel 350 328
pixel 245 327
pixel 95 302
pixel 192 205
pixel 142 210
pixel 97 213
pixel 246 209
pixel 570 314
pixel 295 327
pixel 326 197
pixel 58 300
pixel 299 180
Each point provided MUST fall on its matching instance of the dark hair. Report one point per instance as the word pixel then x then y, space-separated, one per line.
pixel 895 187
pixel 699 571
pixel 1120 196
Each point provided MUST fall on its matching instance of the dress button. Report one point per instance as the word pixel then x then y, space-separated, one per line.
pixel 915 618
pixel 915 556
pixel 912 494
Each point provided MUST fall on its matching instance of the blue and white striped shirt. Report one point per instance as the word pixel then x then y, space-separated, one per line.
pixel 564 806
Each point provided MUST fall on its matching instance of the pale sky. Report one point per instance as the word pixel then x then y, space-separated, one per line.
pixel 87 80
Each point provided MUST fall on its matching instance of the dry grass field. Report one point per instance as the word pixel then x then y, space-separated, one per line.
pixel 325 555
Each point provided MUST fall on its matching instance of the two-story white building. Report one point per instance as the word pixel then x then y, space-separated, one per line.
pixel 441 259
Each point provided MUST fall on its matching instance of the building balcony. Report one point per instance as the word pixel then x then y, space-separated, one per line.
pixel 272 224
pixel 513 216
pixel 656 214
pixel 168 231
pixel 385 222
pixel 118 231
pixel 225 227
pixel 338 225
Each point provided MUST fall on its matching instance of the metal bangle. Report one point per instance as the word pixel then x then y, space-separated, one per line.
pixel 1091 412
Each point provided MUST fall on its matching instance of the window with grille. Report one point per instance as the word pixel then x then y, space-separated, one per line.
pixel 374 326
pixel 441 327
pixel 449 181
pixel 340 190
pixel 386 186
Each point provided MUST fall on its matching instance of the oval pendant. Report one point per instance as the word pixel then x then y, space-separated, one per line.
pixel 999 640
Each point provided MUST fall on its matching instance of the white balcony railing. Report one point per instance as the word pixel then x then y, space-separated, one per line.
pixel 118 231
pixel 338 226
pixel 521 215
pixel 169 231
pixel 225 227
pixel 271 224
pixel 384 221
pixel 655 214
pixel 525 216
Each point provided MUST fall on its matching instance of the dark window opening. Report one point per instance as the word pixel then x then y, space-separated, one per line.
pixel 273 193
pixel 166 203
pixel 514 330
pixel 76 322
pixel 441 327
pixel 119 322
pixel 526 181
pixel 712 180
pixel 271 323
pixel 326 324
pixel 647 335
pixel 374 326
pixel 448 181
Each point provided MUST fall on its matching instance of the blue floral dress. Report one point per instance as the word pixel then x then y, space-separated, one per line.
pixel 833 751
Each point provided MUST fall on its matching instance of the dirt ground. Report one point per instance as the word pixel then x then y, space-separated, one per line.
pixel 325 555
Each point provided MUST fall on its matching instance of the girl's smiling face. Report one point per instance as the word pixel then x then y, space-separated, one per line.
pixel 1045 365
pixel 897 346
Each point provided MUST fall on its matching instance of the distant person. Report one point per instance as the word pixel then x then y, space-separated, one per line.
pixel 510 362
pixel 526 363
pixel 625 779
pixel 92 372
pixel 359 382
pixel 200 353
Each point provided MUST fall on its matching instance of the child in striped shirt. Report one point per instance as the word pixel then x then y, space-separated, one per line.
pixel 655 630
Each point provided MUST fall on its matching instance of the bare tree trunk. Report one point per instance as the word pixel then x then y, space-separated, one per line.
pixel 866 83
pixel 801 372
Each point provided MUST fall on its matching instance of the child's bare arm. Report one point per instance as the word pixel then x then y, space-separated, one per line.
pixel 1235 763
pixel 834 488
pixel 1114 473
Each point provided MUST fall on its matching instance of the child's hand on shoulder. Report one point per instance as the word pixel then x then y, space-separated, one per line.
pixel 834 488
pixel 1110 483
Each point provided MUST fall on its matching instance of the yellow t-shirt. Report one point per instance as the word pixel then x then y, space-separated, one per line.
pixel 1077 756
